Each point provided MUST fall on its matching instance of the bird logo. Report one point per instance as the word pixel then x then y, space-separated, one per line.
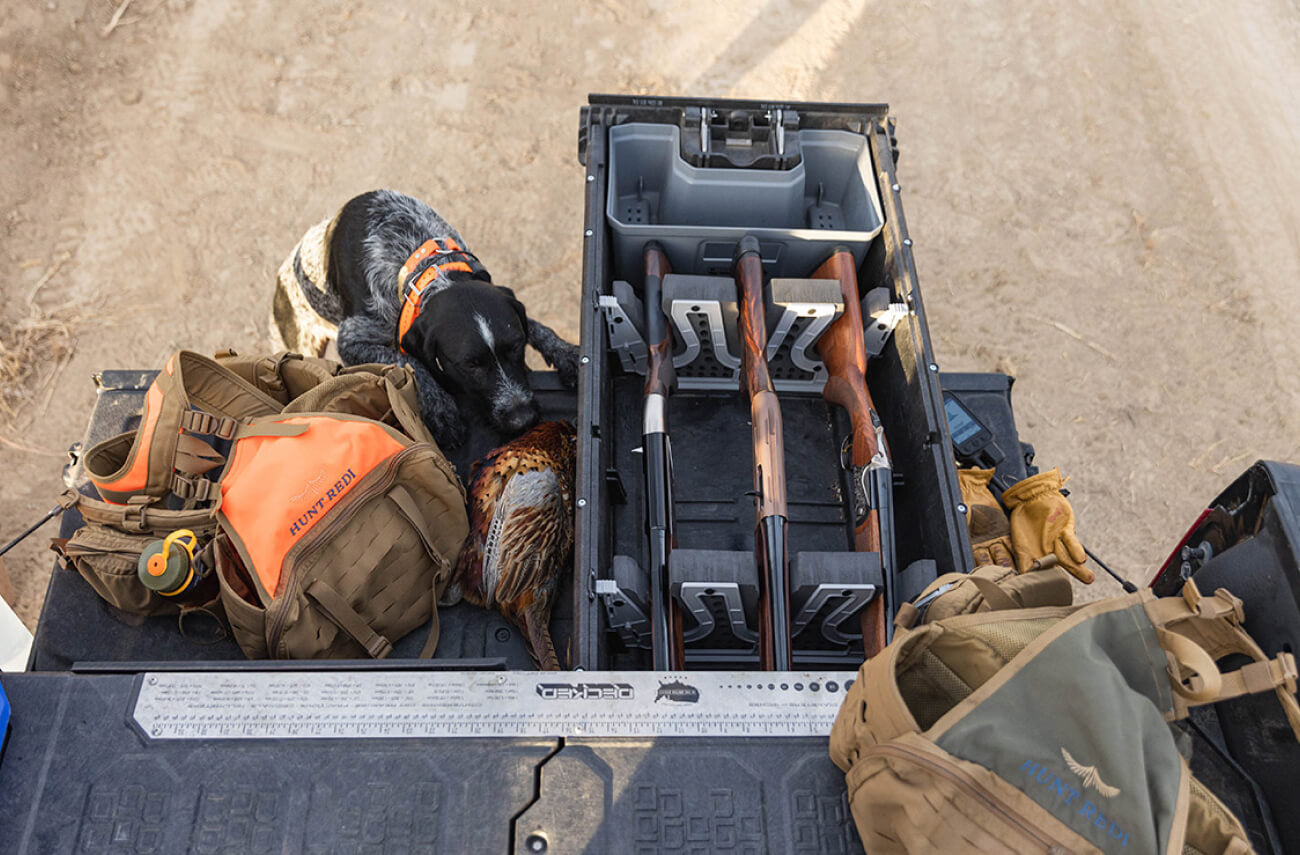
pixel 313 487
pixel 1091 777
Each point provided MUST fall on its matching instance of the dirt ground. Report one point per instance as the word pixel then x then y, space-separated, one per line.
pixel 1104 196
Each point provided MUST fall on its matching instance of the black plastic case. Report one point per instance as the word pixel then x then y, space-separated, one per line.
pixel 709 428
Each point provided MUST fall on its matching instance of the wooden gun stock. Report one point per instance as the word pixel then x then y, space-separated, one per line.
pixel 774 645
pixel 843 350
pixel 657 467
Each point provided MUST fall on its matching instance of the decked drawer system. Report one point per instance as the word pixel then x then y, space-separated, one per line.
pixel 127 736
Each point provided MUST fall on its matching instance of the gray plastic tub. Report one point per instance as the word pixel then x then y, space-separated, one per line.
pixel 799 215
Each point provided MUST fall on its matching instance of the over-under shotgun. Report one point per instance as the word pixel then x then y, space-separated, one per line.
pixel 774 646
pixel 657 461
pixel 843 351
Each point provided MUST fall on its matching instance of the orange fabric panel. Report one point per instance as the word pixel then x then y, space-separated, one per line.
pixel 134 479
pixel 278 488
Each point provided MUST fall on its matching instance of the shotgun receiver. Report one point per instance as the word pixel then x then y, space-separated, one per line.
pixel 843 351
pixel 774 648
pixel 657 462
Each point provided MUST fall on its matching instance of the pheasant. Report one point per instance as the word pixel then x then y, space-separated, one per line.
pixel 521 532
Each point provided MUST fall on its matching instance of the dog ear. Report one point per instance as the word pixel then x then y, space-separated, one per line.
pixel 518 307
pixel 420 344
pixel 523 315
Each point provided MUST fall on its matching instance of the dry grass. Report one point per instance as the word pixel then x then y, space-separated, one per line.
pixel 33 352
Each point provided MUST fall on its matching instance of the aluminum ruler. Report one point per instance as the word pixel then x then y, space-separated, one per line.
pixel 397 705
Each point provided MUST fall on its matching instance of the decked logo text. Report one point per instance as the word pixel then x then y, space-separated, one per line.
pixel 585 691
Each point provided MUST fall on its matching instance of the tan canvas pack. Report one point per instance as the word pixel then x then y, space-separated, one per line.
pixel 991 587
pixel 1047 729
pixel 319 498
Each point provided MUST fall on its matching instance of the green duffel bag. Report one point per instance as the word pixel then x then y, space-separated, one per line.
pixel 1047 729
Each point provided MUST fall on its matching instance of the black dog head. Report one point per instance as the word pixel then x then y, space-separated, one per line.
pixel 471 336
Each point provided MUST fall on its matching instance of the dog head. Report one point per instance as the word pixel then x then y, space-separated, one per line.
pixel 471 336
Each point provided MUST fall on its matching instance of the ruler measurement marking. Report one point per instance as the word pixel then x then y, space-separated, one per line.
pixel 512 704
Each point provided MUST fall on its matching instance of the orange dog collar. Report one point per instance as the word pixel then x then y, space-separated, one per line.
pixel 419 271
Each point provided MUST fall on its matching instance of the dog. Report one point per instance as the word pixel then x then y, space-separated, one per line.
pixel 393 282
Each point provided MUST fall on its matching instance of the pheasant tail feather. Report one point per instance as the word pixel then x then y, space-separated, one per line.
pixel 539 642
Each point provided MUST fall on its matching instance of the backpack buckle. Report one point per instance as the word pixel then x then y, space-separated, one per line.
pixel 193 488
pixel 1290 675
pixel 133 513
pixel 197 421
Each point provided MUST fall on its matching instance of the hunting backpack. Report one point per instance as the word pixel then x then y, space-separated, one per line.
pixel 317 495
pixel 1046 729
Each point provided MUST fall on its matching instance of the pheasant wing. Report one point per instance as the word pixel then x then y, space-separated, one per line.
pixel 528 524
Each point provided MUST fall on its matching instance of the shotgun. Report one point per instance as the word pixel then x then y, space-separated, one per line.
pixel 657 463
pixel 774 649
pixel 843 351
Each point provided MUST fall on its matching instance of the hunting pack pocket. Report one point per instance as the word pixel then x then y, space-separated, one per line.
pixel 341 561
pixel 107 560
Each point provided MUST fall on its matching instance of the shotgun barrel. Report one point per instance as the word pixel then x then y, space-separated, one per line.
pixel 770 521
pixel 844 352
pixel 657 463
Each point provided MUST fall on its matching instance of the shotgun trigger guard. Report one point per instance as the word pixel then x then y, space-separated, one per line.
pixel 861 476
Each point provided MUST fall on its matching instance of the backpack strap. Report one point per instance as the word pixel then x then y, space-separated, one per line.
pixel 406 504
pixel 346 618
pixel 404 397
pixel 191 394
pixel 1212 625
pixel 140 514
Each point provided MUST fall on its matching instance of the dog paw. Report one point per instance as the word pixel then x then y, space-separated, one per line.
pixel 566 365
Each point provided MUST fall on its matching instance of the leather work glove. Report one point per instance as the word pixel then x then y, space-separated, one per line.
pixel 1042 522
pixel 990 533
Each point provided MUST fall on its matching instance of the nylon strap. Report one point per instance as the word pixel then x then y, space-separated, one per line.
pixel 197 421
pixel 195 457
pixel 1191 656
pixel 1260 677
pixel 409 509
pixel 906 616
pixel 271 429
pixel 346 618
pixel 1238 846
pixel 132 517
pixel 996 598
pixel 198 489
pixel 1213 625
pixel 408 416
pixel 1193 604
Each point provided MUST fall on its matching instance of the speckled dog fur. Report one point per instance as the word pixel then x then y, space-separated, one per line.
pixel 375 233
